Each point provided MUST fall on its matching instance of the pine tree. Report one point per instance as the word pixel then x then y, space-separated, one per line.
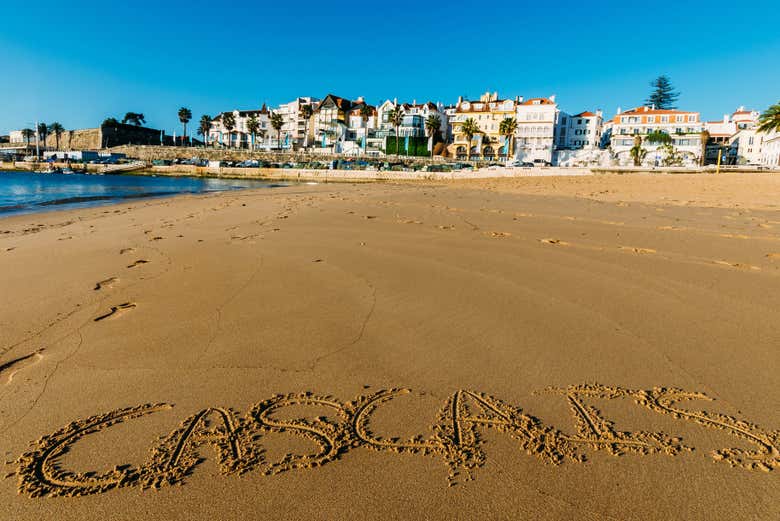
pixel 663 96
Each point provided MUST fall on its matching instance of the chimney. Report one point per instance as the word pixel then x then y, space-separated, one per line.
pixel 414 102
pixel 620 110
pixel 395 101
pixel 725 118
pixel 520 98
pixel 360 99
pixel 460 100
pixel 552 98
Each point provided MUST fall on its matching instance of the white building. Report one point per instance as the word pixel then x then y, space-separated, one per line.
pixel 745 119
pixel 580 131
pixel 295 127
pixel 683 127
pixel 329 124
pixel 413 124
pixel 239 136
pixel 538 122
pixel 770 149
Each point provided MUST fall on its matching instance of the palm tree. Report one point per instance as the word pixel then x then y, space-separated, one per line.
pixel 56 129
pixel 306 113
pixel 469 129
pixel 185 115
pixel 43 131
pixel 705 138
pixel 365 114
pixel 637 152
pixel 252 125
pixel 277 122
pixel 229 122
pixel 204 126
pixel 432 127
pixel 770 119
pixel 28 134
pixel 396 118
pixel 507 128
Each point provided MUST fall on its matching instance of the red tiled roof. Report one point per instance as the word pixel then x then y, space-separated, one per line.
pixel 651 111
pixel 542 101
pixel 584 115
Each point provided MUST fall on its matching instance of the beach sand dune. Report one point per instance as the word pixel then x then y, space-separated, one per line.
pixel 592 348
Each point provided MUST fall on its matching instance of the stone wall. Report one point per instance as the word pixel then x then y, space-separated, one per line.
pixel 302 174
pixel 97 138
pixel 150 153
pixel 83 139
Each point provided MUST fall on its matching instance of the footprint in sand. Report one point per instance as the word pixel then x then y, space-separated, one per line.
pixel 556 242
pixel 126 250
pixel 106 283
pixel 498 235
pixel 158 238
pixel 116 311
pixel 773 256
pixel 138 263
pixel 409 221
pixel 9 369
pixel 446 227
pixel 369 217
pixel 640 251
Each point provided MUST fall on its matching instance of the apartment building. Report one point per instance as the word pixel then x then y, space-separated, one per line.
pixel 579 131
pixel 330 122
pixel 295 127
pixel 538 126
pixel 488 113
pixel 239 136
pixel 684 127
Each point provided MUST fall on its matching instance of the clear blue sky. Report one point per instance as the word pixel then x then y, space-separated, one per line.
pixel 79 61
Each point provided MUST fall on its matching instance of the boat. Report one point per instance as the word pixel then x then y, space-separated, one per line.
pixel 50 170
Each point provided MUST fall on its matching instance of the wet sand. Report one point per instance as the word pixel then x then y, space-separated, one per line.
pixel 602 347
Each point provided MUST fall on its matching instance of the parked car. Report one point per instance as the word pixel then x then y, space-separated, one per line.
pixel 542 162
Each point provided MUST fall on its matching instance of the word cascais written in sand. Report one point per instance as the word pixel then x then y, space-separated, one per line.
pixel 456 437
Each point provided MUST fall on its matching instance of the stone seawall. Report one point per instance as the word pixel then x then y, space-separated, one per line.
pixel 301 174
pixel 150 153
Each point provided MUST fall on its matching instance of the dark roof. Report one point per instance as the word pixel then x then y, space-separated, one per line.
pixel 332 100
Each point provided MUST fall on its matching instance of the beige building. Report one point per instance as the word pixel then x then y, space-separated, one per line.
pixel 488 112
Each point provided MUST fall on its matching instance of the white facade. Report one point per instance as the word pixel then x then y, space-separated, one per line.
pixel 16 136
pixel 580 131
pixel 748 144
pixel 745 119
pixel 239 136
pixel 770 149
pixel 684 127
pixel 537 125
pixel 295 127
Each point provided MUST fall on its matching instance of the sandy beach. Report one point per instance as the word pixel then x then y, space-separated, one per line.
pixel 590 348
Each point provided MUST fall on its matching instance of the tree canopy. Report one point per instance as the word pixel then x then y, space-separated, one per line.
pixel 770 119
pixel 663 95
pixel 134 118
